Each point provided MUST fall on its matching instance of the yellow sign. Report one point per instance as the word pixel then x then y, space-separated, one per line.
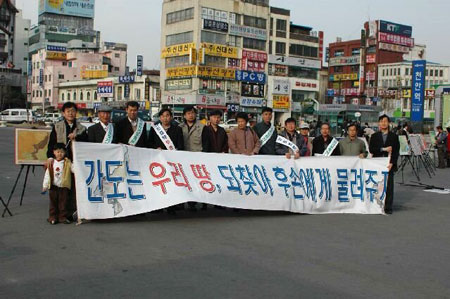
pixel 56 55
pixel 406 93
pixel 281 102
pixel 220 50
pixel 94 71
pixel 177 50
pixel 215 72
pixel 176 72
pixel 343 77
pixel 356 84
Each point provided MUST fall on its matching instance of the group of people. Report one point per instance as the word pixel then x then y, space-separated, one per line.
pixel 192 135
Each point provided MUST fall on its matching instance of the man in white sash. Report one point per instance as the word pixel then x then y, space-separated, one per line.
pixel 325 144
pixel 132 130
pixel 164 134
pixel 290 143
pixel 103 131
pixel 267 133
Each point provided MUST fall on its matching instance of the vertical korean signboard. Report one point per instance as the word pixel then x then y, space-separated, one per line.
pixel 418 90
pixel 139 65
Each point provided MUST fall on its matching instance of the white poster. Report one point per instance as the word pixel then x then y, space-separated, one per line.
pixel 127 180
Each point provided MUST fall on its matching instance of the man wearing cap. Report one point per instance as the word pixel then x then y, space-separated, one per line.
pixel 103 131
pixel 304 131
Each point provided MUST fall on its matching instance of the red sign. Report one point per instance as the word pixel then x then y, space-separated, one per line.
pixel 254 56
pixel 79 105
pixel 371 58
pixel 396 39
pixel 430 93
pixel 321 37
pixel 254 66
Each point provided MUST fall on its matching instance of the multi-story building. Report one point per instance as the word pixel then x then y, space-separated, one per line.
pixel 116 53
pixel 62 21
pixel 88 94
pixel 7 22
pixel 295 60
pixel 214 54
pixel 21 31
pixel 353 65
pixel 343 67
pixel 394 87
pixel 56 64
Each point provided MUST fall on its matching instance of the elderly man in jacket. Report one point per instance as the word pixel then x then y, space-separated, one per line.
pixel 293 136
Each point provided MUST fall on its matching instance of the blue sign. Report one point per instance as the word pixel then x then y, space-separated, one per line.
pixel 330 92
pixel 251 77
pixel 139 65
pixel 78 8
pixel 56 48
pixel 126 91
pixel 126 79
pixel 394 28
pixel 418 89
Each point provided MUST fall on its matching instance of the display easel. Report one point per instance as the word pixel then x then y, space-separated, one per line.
pixel 6 205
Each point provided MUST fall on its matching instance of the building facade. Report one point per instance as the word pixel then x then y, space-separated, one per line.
pixel 295 60
pixel 353 65
pixel 56 64
pixel 214 55
pixel 91 93
pixel 394 87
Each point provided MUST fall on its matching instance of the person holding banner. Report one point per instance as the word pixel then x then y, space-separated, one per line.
pixel 384 144
pixel 290 143
pixel 131 129
pixel 243 140
pixel 267 133
pixel 192 136
pixel 166 136
pixel 441 144
pixel 352 145
pixel 325 144
pixel 66 131
pixel 103 131
pixel 214 137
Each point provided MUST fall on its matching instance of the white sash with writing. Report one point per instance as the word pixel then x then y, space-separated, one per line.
pixel 162 134
pixel 108 139
pixel 137 134
pixel 331 148
pixel 264 138
pixel 284 141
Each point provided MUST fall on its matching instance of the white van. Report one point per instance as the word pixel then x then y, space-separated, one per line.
pixel 53 117
pixel 17 115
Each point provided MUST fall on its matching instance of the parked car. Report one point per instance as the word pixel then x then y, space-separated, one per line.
pixel 17 115
pixel 229 125
pixel 52 117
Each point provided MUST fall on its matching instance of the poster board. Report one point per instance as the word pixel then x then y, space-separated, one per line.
pixel 31 146
pixel 404 146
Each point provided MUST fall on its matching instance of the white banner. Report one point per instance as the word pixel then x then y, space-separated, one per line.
pixel 126 180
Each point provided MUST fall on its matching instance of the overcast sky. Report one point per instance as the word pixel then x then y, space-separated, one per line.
pixel 138 22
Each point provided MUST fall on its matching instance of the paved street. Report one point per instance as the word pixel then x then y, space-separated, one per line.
pixel 224 254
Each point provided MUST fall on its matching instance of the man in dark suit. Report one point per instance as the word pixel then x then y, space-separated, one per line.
pixel 320 143
pixel 132 130
pixel 384 144
pixel 103 131
pixel 173 131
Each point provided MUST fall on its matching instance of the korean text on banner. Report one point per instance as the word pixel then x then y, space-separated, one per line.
pixel 126 180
